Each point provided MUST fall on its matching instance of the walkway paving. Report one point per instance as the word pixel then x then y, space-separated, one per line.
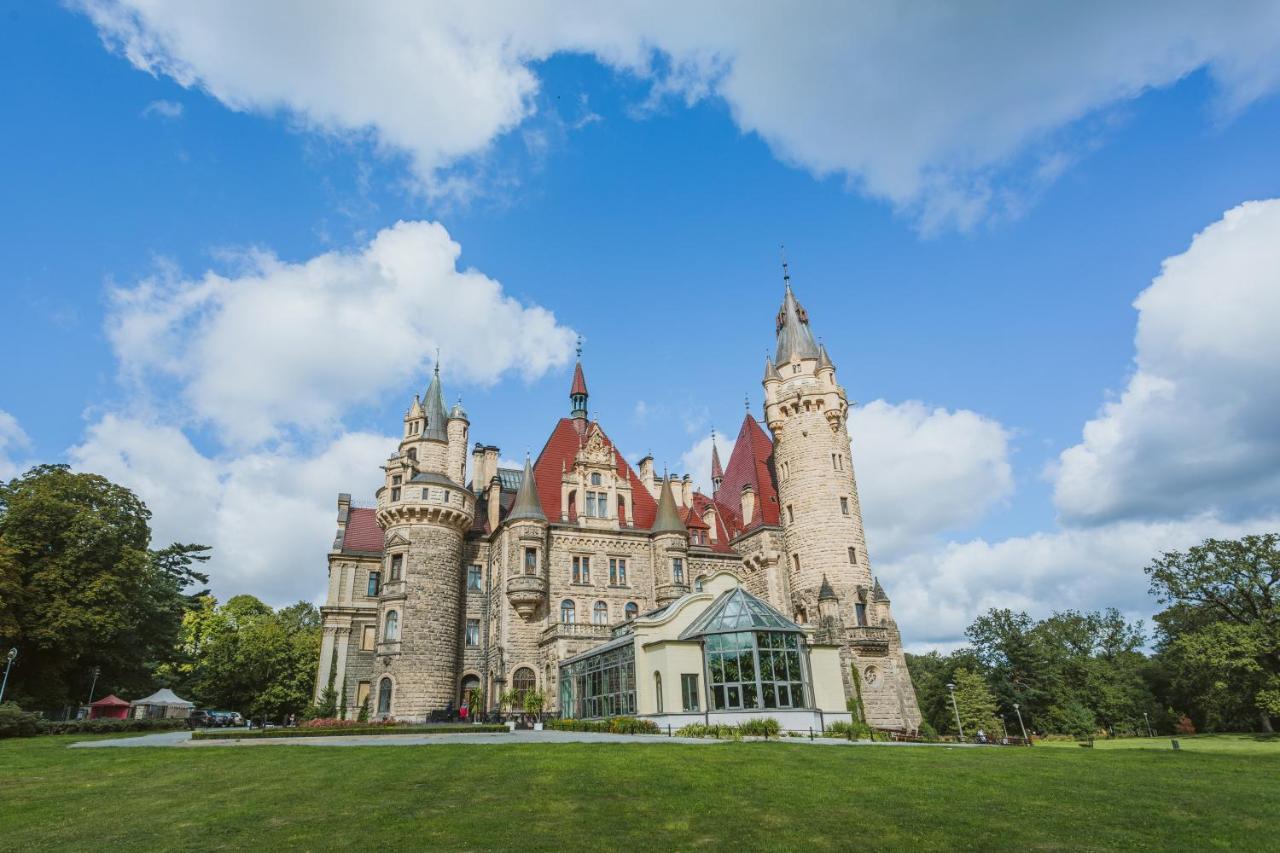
pixel 183 739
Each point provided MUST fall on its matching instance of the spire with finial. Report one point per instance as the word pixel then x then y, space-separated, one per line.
pixel 437 427
pixel 668 518
pixel 794 336
pixel 578 391
pixel 717 472
pixel 527 505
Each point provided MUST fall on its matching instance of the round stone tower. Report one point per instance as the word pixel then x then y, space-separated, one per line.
pixel 424 513
pixel 821 519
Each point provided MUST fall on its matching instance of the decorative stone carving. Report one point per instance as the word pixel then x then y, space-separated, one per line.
pixel 526 594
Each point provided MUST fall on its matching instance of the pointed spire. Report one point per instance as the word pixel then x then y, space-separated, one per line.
pixel 794 335
pixel 433 401
pixel 668 517
pixel 824 360
pixel 717 471
pixel 527 505
pixel 825 592
pixel 770 372
pixel 877 591
pixel 578 390
pixel 415 408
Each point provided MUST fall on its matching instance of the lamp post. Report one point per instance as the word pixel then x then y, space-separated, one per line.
pixel 956 708
pixel 1018 711
pixel 13 653
pixel 96 671
pixel 1148 720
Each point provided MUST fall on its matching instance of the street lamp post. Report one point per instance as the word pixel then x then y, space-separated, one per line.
pixel 13 653
pixel 956 708
pixel 1018 711
pixel 94 683
pixel 1148 719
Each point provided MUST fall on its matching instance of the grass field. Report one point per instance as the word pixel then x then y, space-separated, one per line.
pixel 741 796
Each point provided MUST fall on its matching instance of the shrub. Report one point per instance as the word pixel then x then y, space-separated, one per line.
pixel 1184 726
pixel 928 732
pixel 702 730
pixel 15 722
pixel 363 716
pixel 853 731
pixel 105 726
pixel 760 727
pixel 337 723
pixel 613 725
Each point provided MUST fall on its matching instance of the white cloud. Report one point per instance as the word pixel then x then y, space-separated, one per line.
pixel 934 106
pixel 697 460
pixel 937 593
pixel 922 472
pixel 13 440
pixel 163 109
pixel 280 344
pixel 270 516
pixel 1195 430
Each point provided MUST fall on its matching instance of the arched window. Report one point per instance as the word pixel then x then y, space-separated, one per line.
pixel 523 681
pixel 566 611
pixel 471 682
pixel 632 610
pixel 384 696
pixel 657 689
pixel 600 614
pixel 391 631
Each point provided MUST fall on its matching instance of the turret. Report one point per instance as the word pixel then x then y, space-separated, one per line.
pixel 527 583
pixel 578 390
pixel 717 472
pixel 670 549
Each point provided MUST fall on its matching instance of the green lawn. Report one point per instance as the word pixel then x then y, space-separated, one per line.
pixel 740 796
pixel 1229 744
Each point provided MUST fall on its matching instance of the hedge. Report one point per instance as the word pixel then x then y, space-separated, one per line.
pixel 15 722
pixel 613 725
pixel 357 731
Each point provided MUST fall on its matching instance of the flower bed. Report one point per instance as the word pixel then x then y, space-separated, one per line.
pixel 340 731
pixel 613 725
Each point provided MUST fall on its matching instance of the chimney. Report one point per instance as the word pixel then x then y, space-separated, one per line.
pixel 478 483
pixel 748 504
pixel 709 519
pixel 495 502
pixel 686 490
pixel 646 475
pixel 490 463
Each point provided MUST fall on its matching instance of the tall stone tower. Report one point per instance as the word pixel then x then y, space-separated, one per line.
pixel 828 571
pixel 424 510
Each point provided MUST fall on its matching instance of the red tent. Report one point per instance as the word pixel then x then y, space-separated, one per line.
pixel 109 707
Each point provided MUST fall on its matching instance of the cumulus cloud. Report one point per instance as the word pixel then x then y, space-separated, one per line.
pixel 949 111
pixel 937 593
pixel 269 515
pixel 1195 429
pixel 280 345
pixel 924 471
pixel 696 461
pixel 13 440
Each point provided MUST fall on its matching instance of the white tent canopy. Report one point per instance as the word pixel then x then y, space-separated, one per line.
pixel 162 703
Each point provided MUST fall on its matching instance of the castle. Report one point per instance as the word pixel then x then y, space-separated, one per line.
pixel 446 586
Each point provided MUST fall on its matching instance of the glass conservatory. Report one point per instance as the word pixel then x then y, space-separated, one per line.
pixel 601 682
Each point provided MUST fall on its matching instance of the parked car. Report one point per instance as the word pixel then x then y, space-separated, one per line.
pixel 200 720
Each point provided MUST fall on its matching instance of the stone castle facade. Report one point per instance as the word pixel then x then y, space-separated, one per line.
pixel 447 585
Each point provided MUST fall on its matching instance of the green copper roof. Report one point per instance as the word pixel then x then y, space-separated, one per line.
pixel 738 610
pixel 527 506
pixel 437 420
pixel 794 335
pixel 668 517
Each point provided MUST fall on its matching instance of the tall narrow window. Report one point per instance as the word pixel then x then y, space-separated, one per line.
pixel 375 585
pixel 622 572
pixel 362 695
pixel 523 681
pixel 368 639
pixel 835 466
pixel 530 561
pixel 844 506
pixel 795 561
pixel 791 515
pixel 473 633
pixel 657 689
pixel 582 570
pixel 397 565
pixel 632 610
pixel 567 611
pixel 860 610
pixel 395 493
pixel 391 631
pixel 600 614
pixel 384 696
pixel 595 479
pixel 853 555
pixel 473 577
pixel 689 691
pixel 413 453
pixel 677 570
pixel 591 505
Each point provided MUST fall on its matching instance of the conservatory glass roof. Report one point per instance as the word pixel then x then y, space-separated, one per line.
pixel 738 610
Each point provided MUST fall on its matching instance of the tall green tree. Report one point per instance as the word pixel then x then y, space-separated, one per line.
pixel 975 705
pixel 80 587
pixel 1220 635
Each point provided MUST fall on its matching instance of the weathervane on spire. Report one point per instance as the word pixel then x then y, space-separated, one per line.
pixel 786 276
pixel 437 361
pixel 579 347
pixel 746 401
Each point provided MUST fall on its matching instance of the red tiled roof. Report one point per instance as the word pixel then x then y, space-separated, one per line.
pixel 751 463
pixel 579 381
pixel 363 532
pixel 693 517
pixel 558 455
pixel 700 504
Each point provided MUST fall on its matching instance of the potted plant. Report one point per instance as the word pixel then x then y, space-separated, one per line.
pixel 509 699
pixel 475 700
pixel 535 701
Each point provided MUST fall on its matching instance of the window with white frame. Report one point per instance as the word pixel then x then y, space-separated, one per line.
pixel 397 566
pixel 567 611
pixel 473 633
pixel 677 570
pixel 473 578
pixel 617 571
pixel 582 569
pixel 600 614
pixel 391 628
pixel 689 691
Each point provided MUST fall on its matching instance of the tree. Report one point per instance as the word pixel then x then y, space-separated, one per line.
pixel 80 588
pixel 1221 632
pixel 975 704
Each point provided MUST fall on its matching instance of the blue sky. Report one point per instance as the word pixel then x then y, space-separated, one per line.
pixel 638 191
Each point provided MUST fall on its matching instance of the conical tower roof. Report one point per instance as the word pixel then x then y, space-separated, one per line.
pixel 794 336
pixel 437 420
pixel 527 505
pixel 877 591
pixel 770 372
pixel 579 381
pixel 668 517
pixel 824 360
pixel 825 592
pixel 717 472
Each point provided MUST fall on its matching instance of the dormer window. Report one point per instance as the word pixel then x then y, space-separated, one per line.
pixel 595 479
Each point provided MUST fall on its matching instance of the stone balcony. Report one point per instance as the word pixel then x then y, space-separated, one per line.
pixel 392 589
pixel 575 631
pixel 526 593
pixel 392 648
pixel 669 592
pixel 868 638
